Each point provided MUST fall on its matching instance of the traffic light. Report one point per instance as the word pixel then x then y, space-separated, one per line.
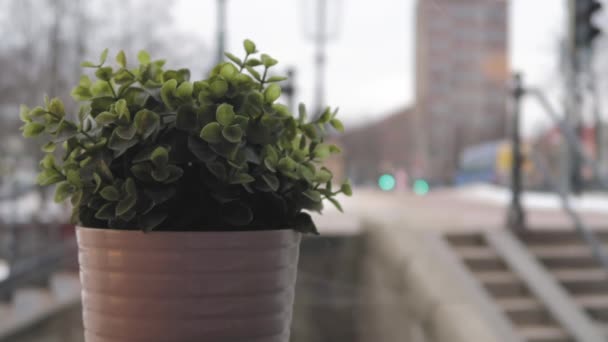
pixel 585 31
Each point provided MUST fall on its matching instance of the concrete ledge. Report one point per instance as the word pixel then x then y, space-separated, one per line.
pixel 432 304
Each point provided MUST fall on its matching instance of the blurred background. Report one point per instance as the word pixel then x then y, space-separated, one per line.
pixel 476 141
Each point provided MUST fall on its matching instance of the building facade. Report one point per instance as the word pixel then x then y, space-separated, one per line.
pixel 461 80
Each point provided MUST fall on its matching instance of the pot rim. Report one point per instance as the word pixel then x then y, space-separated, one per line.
pixel 182 231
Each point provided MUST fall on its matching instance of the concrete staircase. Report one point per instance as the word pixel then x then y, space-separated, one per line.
pixel 569 260
pixel 39 313
pixel 527 313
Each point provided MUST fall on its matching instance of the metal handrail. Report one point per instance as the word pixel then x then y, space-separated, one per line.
pixel 597 248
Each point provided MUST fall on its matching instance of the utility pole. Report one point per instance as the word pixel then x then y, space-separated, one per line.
pixel 516 218
pixel 321 34
pixel 221 30
pixel 320 42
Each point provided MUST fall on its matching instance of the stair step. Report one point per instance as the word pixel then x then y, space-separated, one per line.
pixel 466 239
pixel 563 251
pixel 555 237
pixel 502 283
pixel 480 258
pixel 581 281
pixel 544 333
pixel 524 310
pixel 595 304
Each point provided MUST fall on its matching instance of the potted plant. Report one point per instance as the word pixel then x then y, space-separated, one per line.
pixel 218 173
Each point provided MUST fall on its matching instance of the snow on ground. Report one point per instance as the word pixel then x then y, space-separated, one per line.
pixel 589 202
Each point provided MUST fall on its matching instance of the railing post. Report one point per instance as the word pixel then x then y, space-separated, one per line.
pixel 516 215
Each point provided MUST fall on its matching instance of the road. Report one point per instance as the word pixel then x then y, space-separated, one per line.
pixel 451 209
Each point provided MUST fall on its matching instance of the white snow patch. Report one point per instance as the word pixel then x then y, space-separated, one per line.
pixel 589 202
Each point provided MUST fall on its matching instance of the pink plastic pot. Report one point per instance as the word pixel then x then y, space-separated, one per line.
pixel 187 286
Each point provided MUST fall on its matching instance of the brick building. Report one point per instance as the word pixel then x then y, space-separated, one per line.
pixel 461 75
pixel 383 146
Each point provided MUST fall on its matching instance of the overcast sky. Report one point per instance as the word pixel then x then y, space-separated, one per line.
pixel 371 63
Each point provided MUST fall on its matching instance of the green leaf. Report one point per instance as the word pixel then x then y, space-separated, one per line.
pixel 253 62
pixel 175 173
pixel 87 64
pixel 49 147
pixel 160 174
pixel 104 73
pixel 268 61
pixel 200 149
pixel 97 181
pixel 32 129
pixel 346 189
pixel 323 175
pixel 73 176
pixel 184 91
pixel 125 205
pixel 302 112
pixel 225 114
pixel 143 57
pixel 286 164
pixel 110 193
pixel 56 107
pixel 228 71
pixel 304 224
pixel 126 132
pixel 218 88
pixel 120 145
pixel 146 122
pixel 249 46
pixel 121 59
pixel 335 203
pixel 106 212
pixel 276 79
pixel 160 156
pixel 242 178
pixel 217 169
pixel 48 177
pixel 24 113
pixel 105 118
pixel 212 133
pixel 186 119
pixel 103 57
pixel 167 91
pixel 142 171
pixel 272 93
pixel 314 195
pixel 310 131
pixel 152 220
pixel 326 116
pixel 337 124
pixel 271 180
pixel 321 151
pixel 63 191
pixel 254 73
pixel 120 107
pixel 130 187
pixel 234 58
pixel 233 133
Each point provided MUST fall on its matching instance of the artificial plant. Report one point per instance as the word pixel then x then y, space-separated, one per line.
pixel 150 149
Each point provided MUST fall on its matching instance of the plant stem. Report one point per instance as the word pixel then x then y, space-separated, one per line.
pixel 112 89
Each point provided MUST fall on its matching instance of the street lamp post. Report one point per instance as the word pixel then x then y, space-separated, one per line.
pixel 516 216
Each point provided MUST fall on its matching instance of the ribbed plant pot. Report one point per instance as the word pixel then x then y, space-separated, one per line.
pixel 187 286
